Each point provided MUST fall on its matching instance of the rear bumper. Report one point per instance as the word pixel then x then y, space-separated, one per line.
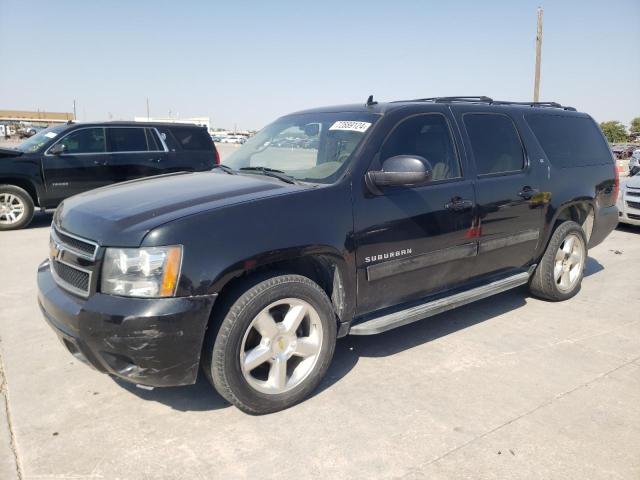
pixel 155 342
pixel 605 221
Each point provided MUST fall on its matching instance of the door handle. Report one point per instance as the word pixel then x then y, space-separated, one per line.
pixel 527 192
pixel 458 204
pixel 156 160
pixel 101 163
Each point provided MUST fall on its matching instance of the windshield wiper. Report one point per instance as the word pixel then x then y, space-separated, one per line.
pixel 225 168
pixel 271 172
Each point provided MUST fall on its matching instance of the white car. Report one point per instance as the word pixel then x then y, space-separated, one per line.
pixel 629 200
pixel 634 162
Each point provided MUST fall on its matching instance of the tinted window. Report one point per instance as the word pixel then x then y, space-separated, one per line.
pixel 172 143
pixel 495 143
pixel 569 141
pixel 427 136
pixel 152 140
pixel 128 139
pixel 192 138
pixel 86 140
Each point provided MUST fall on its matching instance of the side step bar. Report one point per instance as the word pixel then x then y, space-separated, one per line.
pixel 429 309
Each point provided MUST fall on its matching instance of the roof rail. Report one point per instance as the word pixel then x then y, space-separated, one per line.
pixel 489 101
pixel 536 104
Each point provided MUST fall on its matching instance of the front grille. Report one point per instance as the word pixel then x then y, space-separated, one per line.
pixel 634 205
pixel 633 216
pixel 78 245
pixel 632 194
pixel 71 278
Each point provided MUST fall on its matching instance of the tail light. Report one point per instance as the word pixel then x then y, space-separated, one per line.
pixel 216 160
pixel 616 186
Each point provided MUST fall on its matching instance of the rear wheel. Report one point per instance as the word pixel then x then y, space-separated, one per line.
pixel 274 344
pixel 561 269
pixel 16 208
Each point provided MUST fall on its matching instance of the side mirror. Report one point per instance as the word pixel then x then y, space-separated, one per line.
pixel 58 149
pixel 312 129
pixel 400 171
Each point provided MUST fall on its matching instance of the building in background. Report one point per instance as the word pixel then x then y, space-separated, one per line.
pixel 34 118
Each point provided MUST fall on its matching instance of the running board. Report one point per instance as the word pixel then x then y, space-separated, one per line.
pixel 429 309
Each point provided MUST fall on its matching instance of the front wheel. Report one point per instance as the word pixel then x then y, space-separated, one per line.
pixel 16 208
pixel 274 344
pixel 561 269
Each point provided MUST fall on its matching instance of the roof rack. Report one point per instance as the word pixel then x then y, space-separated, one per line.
pixel 489 101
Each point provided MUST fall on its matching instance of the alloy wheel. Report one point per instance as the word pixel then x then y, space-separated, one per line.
pixel 281 346
pixel 11 209
pixel 569 262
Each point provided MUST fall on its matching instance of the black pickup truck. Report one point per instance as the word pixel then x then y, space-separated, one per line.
pixel 67 159
pixel 383 214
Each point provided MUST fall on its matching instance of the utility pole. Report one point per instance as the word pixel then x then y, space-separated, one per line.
pixel 148 116
pixel 536 83
pixel 74 110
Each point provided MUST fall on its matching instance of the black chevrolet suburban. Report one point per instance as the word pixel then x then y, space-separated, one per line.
pixel 384 215
pixel 64 160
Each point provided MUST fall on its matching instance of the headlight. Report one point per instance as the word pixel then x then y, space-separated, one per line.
pixel 141 272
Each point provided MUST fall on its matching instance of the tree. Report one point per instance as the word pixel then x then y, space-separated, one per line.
pixel 635 127
pixel 614 131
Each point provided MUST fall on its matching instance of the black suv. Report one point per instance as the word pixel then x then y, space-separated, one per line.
pixel 386 214
pixel 68 159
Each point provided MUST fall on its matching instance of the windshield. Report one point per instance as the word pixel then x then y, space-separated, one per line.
pixel 33 144
pixel 314 147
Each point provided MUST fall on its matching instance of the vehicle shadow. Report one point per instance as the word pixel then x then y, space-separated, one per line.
pixel 198 397
pixel 625 227
pixel 41 219
pixel 350 349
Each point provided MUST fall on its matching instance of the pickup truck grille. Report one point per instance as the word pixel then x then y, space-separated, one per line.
pixel 71 278
pixel 634 205
pixel 77 245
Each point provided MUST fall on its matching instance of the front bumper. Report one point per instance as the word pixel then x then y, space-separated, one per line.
pixel 155 342
pixel 629 214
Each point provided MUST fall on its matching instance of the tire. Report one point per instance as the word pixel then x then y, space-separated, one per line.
pixel 16 208
pixel 559 274
pixel 261 370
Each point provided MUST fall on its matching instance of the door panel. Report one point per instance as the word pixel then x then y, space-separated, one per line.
pixel 510 206
pixel 136 152
pixel 414 241
pixel 81 167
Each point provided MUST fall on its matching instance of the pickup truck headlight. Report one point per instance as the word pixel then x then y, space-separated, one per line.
pixel 141 272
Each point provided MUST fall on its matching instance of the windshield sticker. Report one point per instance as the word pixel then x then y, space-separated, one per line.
pixel 50 135
pixel 351 126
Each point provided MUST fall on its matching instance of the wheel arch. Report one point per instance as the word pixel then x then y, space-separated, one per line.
pixel 581 211
pixel 324 265
pixel 26 184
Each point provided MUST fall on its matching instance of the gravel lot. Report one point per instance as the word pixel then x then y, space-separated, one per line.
pixel 511 387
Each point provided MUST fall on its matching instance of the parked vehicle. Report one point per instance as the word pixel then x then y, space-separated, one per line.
pixel 629 200
pixel 634 162
pixel 29 131
pixel 407 209
pixel 68 159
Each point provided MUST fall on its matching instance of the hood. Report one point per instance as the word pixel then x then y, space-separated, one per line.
pixel 633 182
pixel 122 214
pixel 9 152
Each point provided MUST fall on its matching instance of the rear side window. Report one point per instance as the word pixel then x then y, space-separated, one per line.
pixel 128 139
pixel 192 138
pixel 569 141
pixel 495 143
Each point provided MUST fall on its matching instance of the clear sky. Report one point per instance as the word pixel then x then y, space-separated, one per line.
pixel 247 62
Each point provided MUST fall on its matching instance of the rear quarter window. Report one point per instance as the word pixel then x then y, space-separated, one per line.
pixel 569 141
pixel 192 138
